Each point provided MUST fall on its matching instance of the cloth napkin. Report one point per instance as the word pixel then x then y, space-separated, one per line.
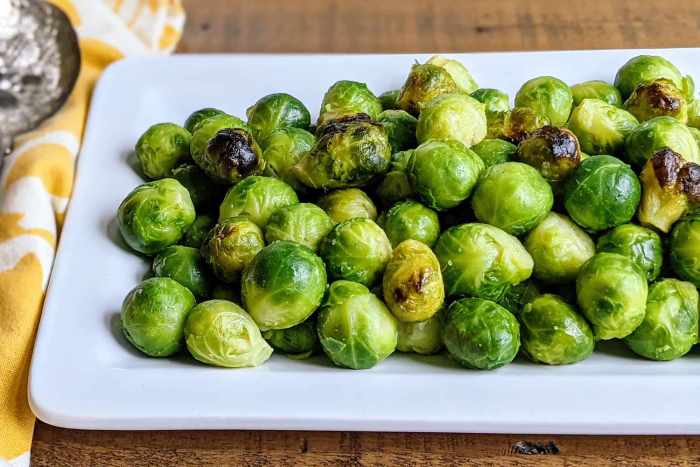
pixel 36 184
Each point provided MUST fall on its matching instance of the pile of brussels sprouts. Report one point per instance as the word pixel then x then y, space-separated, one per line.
pixel 434 216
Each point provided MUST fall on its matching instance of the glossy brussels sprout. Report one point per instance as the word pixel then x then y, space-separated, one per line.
pixel 644 69
pixel 603 192
pixel 495 151
pixel 155 215
pixel 461 76
pixel 304 223
pixel 425 82
pixel 184 265
pixel 512 196
pixel 452 116
pixel 553 333
pixel 517 124
pixel 658 133
pixel 356 250
pixel 194 236
pixel 283 149
pixel 400 128
pixel 641 245
pixel 221 333
pixel 276 111
pixel 230 246
pixel 257 197
pixel 547 96
pixel 685 247
pixel 443 173
pixel 389 99
pixel 559 248
pixel 554 152
pixel 162 147
pixel 297 342
pixel 481 260
pixel 612 293
pixel 283 285
pixel 153 316
pixel 395 186
pixel 670 326
pixel 481 334
pixel 203 192
pixel 519 295
pixel 493 100
pixel 349 152
pixel 655 99
pixel 601 128
pixel 421 337
pixel 346 98
pixel 599 90
pixel 343 205
pixel 411 220
pixel 200 115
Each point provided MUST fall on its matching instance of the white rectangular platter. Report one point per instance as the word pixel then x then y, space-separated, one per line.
pixel 85 375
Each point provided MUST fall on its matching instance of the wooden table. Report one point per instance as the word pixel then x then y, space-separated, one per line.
pixel 398 26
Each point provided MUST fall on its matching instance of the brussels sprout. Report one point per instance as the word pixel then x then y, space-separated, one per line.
pixel 389 99
pixel 452 116
pixel 355 328
pixel 512 196
pixel 519 295
pixel 612 293
pixel 200 115
pixel 425 82
pixel 481 260
pixel 257 197
pixel 658 133
pixel 599 90
pixel 421 337
pixel 547 96
pixel 184 265
pixel 643 69
pixel 356 250
pixel 283 149
pixel 303 223
pixel 554 152
pixel 685 247
pixel 221 333
pixel 443 173
pixel 155 215
pixel 203 192
pixel 516 125
pixel 694 114
pixel 161 148
pixel 230 246
pixel 276 111
pixel 153 316
pixel 461 76
pixel 601 128
pixel 347 98
pixel 395 186
pixel 603 193
pixel 559 248
pixel 411 220
pixel 343 205
pixel 494 151
pixel 670 326
pixel 655 99
pixel 400 128
pixel 553 333
pixel 195 234
pixel 297 342
pixel 481 334
pixel 493 100
pixel 349 152
pixel 641 245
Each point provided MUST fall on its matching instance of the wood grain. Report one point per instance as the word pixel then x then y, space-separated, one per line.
pixel 396 26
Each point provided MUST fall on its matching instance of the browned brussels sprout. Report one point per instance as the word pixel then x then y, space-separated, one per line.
pixel 655 99
pixel 553 151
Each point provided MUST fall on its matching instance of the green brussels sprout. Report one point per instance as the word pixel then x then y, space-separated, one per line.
pixel 670 326
pixel 443 173
pixel 481 334
pixel 200 115
pixel 481 260
pixel 547 96
pixel 276 111
pixel 283 149
pixel 612 293
pixel 553 151
pixel 685 247
pixel 519 295
pixel 161 148
pixel 297 342
pixel 303 223
pixel 283 285
pixel 257 197
pixel 641 245
pixel 400 128
pixel 197 232
pixel 347 98
pixel 389 99
pixel 230 246
pixel 452 116
pixel 512 196
pixel 599 90
pixel 229 292
pixel 356 250
pixel 355 328
pixel 425 82
pixel 221 333
pixel 493 100
pixel 412 284
pixel 395 186
pixel 559 248
pixel 553 333
pixel 494 151
pixel 153 316
pixel 350 151
pixel 694 115
pixel 643 69
pixel 184 265
pixel 411 220
pixel 658 133
pixel 603 192
pixel 655 99
pixel 421 337
pixel 461 76
pixel 155 215
pixel 343 205
pixel 203 192
pixel 601 128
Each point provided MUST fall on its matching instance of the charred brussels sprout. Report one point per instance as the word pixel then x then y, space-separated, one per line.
pixel 400 127
pixel 547 96
pixel 425 82
pixel 184 265
pixel 495 151
pixel 452 116
pixel 153 316
pixel 283 149
pixel 411 220
pixel 200 115
pixel 601 128
pixel 257 197
pixel 395 186
pixel 421 337
pixel 155 215
pixel 599 90
pixel 303 223
pixel 230 246
pixel 612 293
pixel 389 99
pixel 297 342
pixel 656 99
pixel 519 295
pixel 461 76
pixel 685 247
pixel 553 333
pixel 493 100
pixel 162 147
pixel 517 124
pixel 481 334
pixel 194 236
pixel 642 245
pixel 644 69
pixel 347 98
pixel 203 192
pixel 343 205
pixel 658 133
pixel 554 152
pixel 276 111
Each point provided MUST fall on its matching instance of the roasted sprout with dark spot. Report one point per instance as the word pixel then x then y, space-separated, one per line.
pixel 644 69
pixel 230 246
pixel 658 133
pixel 425 82
pixel 517 124
pixel 655 99
pixel 554 152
